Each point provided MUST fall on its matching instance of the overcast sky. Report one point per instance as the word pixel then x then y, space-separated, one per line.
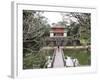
pixel 53 17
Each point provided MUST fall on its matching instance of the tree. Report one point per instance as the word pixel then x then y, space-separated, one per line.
pixel 84 20
pixel 80 25
pixel 35 29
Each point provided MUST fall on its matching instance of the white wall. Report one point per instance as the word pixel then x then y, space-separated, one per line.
pixel 51 34
pixel 5 38
pixel 65 34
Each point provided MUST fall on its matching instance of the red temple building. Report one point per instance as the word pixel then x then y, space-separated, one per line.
pixel 58 31
pixel 58 35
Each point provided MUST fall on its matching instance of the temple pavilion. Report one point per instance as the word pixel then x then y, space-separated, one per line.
pixel 58 31
pixel 58 35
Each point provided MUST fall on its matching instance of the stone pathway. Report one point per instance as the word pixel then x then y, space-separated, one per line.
pixel 58 62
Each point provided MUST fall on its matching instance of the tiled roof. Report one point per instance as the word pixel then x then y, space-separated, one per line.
pixel 57 27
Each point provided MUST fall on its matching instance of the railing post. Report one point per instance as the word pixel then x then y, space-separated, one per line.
pixel 53 58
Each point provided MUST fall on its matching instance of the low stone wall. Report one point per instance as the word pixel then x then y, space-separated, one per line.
pixel 69 47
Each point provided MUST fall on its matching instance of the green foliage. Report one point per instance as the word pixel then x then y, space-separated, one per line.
pixel 35 32
pixel 36 59
pixel 35 29
pixel 79 29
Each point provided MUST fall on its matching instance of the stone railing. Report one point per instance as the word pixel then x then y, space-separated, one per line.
pixel 53 58
pixel 63 57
